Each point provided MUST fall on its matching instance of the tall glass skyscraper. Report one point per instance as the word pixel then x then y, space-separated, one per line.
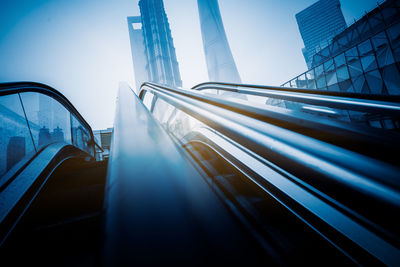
pixel 220 63
pixel 162 65
pixel 139 58
pixel 318 24
pixel 364 58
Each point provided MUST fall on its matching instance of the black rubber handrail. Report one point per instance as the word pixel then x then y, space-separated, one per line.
pixel 19 87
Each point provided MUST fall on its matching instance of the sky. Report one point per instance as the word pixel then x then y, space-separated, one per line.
pixel 82 49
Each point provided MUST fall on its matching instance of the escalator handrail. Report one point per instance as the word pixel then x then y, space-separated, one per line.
pixel 296 121
pixel 325 162
pixel 351 101
pixel 154 196
pixel 21 87
pixel 186 98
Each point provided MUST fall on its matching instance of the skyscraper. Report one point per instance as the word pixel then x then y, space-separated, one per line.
pixel 220 63
pixel 138 51
pixel 162 66
pixel 153 51
pixel 364 58
pixel 318 24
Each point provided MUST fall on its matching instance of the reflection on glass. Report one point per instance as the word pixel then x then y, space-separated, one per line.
pixel 353 61
pixel 368 61
pixel 331 77
pixel 394 36
pixel 48 120
pixel 383 52
pixel 310 79
pixel 301 81
pixel 319 73
pixel 80 136
pixel 375 82
pixel 148 99
pixel 391 77
pixel 15 140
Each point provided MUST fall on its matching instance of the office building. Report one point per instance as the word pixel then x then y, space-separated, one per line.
pixel 162 65
pixel 364 58
pixel 318 24
pixel 138 51
pixel 153 51
pixel 103 139
pixel 220 63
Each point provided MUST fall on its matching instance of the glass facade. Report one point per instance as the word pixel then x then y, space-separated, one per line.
pixel 162 66
pixel 318 24
pixel 365 58
pixel 29 122
pixel 138 51
pixel 221 65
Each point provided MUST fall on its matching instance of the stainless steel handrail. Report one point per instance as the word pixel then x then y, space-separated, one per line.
pixel 300 155
pixel 374 141
pixel 157 202
pixel 192 104
pixel 347 101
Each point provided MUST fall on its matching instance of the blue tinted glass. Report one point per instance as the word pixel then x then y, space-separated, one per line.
pixel 319 73
pixel 80 136
pixel 310 79
pixel 394 36
pixel 375 82
pixel 391 78
pixel 15 139
pixel 340 60
pixel 382 49
pixel 353 61
pixel 48 119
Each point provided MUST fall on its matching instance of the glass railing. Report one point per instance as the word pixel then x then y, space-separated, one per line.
pixel 31 118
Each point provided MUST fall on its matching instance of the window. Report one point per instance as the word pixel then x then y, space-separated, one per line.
pixel 49 121
pixel 394 36
pixel 15 139
pixel 382 50
pixel 353 61
pixel 368 61
pixel 319 73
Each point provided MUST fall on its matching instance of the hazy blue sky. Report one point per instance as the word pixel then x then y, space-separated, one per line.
pixel 81 47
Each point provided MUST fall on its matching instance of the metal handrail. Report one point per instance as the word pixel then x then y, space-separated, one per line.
pixel 348 101
pixel 154 196
pixel 191 103
pixel 312 160
pixel 375 142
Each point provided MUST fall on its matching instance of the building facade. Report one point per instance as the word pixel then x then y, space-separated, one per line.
pixel 138 51
pixel 103 139
pixel 364 58
pixel 318 24
pixel 220 63
pixel 152 46
pixel 162 65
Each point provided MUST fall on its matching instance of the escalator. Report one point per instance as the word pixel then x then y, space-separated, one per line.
pixel 52 188
pixel 310 173
pixel 62 226
pixel 224 174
